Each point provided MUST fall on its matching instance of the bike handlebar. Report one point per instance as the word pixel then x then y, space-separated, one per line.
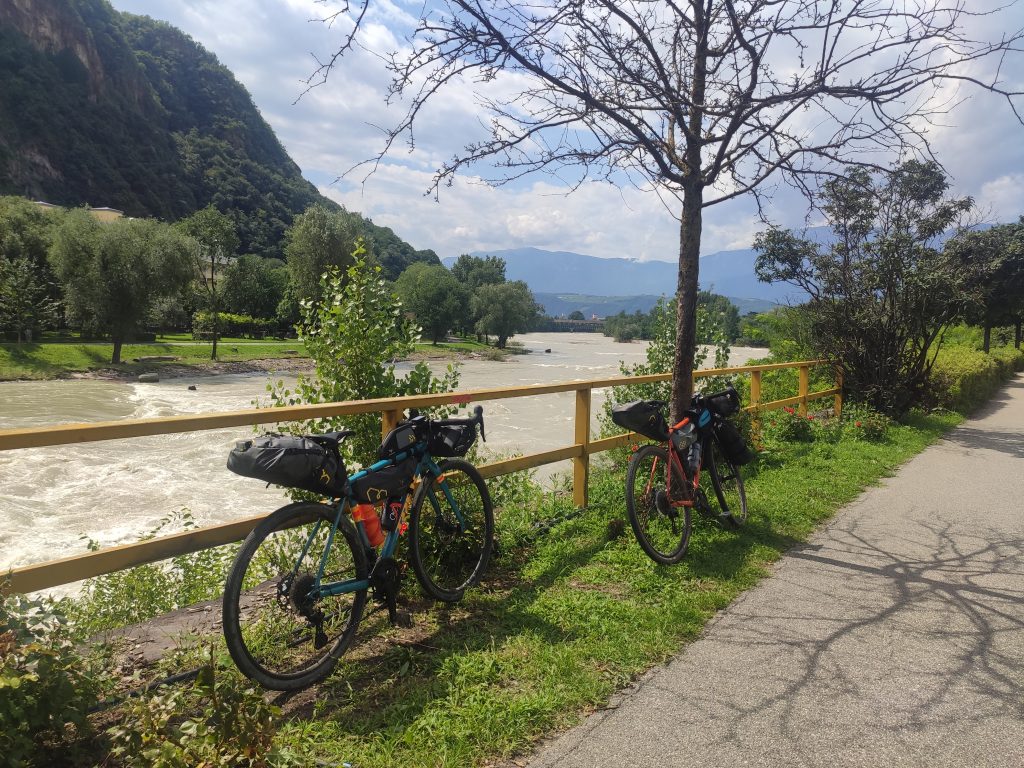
pixel 476 419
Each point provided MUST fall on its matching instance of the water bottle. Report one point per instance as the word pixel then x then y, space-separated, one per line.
pixel 367 514
pixel 683 438
pixel 693 458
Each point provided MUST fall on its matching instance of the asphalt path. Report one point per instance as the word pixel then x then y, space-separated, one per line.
pixel 894 637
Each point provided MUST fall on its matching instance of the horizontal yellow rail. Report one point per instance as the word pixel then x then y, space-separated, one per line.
pixel 75 568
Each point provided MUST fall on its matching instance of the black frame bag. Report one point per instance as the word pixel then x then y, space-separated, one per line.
pixel 644 416
pixel 378 486
pixel 734 447
pixel 293 461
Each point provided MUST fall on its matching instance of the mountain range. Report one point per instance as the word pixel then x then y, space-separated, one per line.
pixel 106 108
pixel 563 279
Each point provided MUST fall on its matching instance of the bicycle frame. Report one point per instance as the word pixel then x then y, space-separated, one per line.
pixel 427 468
pixel 694 482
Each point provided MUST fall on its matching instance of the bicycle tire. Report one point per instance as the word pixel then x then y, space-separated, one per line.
pixel 447 560
pixel 270 628
pixel 728 484
pixel 662 530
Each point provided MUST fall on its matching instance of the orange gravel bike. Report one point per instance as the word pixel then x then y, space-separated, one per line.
pixel 663 482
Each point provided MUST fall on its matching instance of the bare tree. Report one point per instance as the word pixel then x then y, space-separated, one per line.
pixel 701 99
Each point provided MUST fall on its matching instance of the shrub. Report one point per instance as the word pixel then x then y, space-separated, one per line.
pixel 786 425
pixel 963 378
pixel 136 594
pixel 354 334
pixel 862 423
pixel 222 720
pixel 45 685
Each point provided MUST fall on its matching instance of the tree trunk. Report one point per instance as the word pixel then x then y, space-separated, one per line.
pixel 115 358
pixel 988 337
pixel 686 299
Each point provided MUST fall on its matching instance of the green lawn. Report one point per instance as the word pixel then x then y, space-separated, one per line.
pixel 563 624
pixel 53 360
pixel 562 620
pixel 57 358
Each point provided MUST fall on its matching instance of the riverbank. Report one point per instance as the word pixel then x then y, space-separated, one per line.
pixel 176 359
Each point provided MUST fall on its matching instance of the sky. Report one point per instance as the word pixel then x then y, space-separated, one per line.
pixel 271 47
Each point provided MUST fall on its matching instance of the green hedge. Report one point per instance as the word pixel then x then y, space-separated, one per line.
pixel 235 326
pixel 964 378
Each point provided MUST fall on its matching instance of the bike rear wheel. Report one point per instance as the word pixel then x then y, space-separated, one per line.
pixel 449 556
pixel 728 483
pixel 279 630
pixel 662 529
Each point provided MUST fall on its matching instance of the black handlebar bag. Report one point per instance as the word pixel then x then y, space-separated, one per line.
pixel 293 461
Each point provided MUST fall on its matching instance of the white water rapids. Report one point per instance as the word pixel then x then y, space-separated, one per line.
pixel 53 499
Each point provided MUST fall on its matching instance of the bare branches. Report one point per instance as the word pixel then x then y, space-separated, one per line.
pixel 727 92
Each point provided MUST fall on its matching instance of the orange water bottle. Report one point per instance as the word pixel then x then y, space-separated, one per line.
pixel 371 523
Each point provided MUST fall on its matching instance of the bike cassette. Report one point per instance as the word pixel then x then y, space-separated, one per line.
pixel 298 590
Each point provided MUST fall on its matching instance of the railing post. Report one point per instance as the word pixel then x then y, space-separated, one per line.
pixel 388 421
pixel 581 465
pixel 805 386
pixel 838 407
pixel 755 400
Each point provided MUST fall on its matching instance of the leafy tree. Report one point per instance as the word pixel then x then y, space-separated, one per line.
pixel 319 239
pixel 998 253
pixel 661 323
pixel 473 272
pixel 354 335
pixel 505 309
pixel 576 315
pixel 729 323
pixel 882 291
pixel 216 244
pixel 687 97
pixel 25 304
pixel 254 286
pixel 25 231
pixel 434 296
pixel 112 273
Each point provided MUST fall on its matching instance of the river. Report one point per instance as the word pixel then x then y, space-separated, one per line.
pixel 54 500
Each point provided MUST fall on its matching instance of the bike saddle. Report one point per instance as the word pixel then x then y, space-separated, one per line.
pixel 335 438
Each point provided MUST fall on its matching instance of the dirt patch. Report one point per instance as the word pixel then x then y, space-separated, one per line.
pixel 191 370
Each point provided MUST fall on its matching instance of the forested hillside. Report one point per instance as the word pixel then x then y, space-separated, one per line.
pixel 106 108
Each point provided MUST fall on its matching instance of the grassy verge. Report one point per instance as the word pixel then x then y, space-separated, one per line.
pixel 56 360
pixel 568 621
pixel 563 620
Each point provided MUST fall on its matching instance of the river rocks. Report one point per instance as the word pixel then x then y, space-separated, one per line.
pixel 191 387
pixel 149 378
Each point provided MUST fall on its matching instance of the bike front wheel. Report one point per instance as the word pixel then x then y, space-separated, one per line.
pixel 451 531
pixel 725 476
pixel 653 483
pixel 280 630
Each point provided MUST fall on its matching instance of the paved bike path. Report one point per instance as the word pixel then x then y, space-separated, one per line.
pixel 894 637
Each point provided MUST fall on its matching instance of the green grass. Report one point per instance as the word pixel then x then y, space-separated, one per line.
pixel 563 619
pixel 564 623
pixel 53 360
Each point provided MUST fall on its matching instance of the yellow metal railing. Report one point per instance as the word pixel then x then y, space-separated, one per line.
pixel 75 568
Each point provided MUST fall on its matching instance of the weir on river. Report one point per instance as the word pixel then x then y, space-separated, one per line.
pixel 52 500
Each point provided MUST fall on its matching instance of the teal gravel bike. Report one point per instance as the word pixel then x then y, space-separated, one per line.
pixel 298 587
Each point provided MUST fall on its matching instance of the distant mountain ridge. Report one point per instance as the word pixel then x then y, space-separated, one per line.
pixel 730 273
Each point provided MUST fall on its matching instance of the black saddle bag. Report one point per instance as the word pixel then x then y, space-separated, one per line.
pixel 292 461
pixel 643 416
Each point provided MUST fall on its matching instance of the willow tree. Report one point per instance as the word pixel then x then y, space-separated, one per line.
pixel 702 100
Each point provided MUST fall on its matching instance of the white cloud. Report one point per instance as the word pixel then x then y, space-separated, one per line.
pixel 268 45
